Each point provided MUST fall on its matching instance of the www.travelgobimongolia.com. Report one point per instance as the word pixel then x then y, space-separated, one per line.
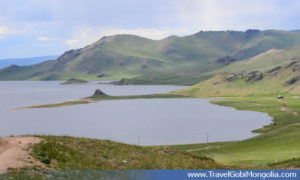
pixel 242 174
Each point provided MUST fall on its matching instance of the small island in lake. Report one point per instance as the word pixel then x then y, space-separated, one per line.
pixel 99 93
pixel 74 81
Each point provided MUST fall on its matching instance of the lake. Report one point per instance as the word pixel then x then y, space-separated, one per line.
pixel 141 121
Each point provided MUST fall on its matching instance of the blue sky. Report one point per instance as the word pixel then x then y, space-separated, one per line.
pixel 31 28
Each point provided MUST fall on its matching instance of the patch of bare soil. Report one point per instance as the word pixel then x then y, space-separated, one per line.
pixel 14 152
pixel 287 110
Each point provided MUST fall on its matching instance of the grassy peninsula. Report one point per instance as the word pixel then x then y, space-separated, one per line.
pixel 102 97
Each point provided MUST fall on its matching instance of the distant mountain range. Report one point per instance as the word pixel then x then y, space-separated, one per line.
pixel 173 60
pixel 25 61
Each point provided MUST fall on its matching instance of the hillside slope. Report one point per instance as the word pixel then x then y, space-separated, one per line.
pixel 128 56
pixel 254 85
pixel 272 72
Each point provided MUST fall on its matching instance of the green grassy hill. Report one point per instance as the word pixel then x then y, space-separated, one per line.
pixel 173 60
pixel 232 44
pixel 254 85
pixel 271 73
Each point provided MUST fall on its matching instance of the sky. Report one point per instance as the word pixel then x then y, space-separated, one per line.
pixel 30 28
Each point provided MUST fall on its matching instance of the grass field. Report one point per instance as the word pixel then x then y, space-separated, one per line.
pixel 83 153
pixel 277 145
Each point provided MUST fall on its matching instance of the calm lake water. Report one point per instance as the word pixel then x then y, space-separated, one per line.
pixel 143 121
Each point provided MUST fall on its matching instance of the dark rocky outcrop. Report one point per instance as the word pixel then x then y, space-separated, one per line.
pixel 170 51
pixel 98 93
pixel 144 66
pixel 102 75
pixel 274 69
pixel 226 60
pixel 66 57
pixel 291 64
pixel 231 77
pixel 254 75
pixel 295 65
pixel 296 68
pixel 292 81
pixel 273 74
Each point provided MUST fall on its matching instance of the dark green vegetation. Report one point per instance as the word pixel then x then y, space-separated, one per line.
pixel 278 144
pixel 173 60
pixel 75 81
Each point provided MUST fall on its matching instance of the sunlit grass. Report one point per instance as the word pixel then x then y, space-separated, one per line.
pixel 277 142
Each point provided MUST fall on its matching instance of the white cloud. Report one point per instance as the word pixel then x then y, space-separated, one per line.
pixel 3 30
pixel 7 30
pixel 44 38
pixel 71 42
pixel 48 21
pixel 229 15
pixel 191 16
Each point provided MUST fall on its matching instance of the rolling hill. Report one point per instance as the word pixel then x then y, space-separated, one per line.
pixel 173 60
pixel 254 85
pixel 271 72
